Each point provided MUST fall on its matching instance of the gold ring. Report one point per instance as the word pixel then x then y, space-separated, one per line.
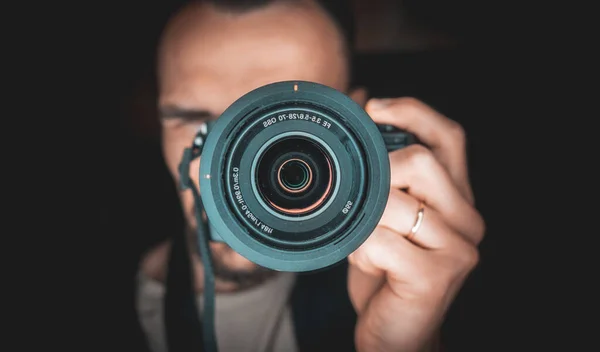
pixel 418 221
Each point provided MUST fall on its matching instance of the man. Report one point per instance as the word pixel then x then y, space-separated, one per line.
pixel 399 286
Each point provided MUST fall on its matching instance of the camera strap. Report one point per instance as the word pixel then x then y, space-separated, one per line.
pixel 185 182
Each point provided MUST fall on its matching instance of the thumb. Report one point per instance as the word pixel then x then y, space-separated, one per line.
pixel 378 110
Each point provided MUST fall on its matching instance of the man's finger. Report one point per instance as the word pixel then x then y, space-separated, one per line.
pixel 445 137
pixel 433 233
pixel 362 285
pixel 415 169
pixel 387 251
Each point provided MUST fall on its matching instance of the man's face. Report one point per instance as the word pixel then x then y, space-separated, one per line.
pixel 209 59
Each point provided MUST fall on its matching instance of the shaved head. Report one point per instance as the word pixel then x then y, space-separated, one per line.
pixel 210 56
pixel 280 40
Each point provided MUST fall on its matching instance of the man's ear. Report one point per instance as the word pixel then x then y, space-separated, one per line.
pixel 360 95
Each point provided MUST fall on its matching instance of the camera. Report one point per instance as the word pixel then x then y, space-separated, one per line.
pixel 295 175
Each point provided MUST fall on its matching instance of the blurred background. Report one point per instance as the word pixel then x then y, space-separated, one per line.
pixel 450 54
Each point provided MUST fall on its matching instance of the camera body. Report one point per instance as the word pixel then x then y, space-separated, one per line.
pixel 295 175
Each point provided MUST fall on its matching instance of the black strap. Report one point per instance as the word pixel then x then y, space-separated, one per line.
pixel 183 325
pixel 324 318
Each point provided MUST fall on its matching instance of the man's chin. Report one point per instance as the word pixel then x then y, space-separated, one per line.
pixel 240 279
pixel 233 270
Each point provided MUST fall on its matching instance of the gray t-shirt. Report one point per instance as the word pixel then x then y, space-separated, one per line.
pixel 254 320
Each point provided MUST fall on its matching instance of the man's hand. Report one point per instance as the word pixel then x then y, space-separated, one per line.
pixel 400 287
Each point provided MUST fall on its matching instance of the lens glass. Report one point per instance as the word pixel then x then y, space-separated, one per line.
pixel 295 176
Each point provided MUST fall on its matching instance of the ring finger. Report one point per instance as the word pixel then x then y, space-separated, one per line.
pixel 401 215
pixel 415 169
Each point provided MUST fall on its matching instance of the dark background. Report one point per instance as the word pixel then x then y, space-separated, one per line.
pixel 134 200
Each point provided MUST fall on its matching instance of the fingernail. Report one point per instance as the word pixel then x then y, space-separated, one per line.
pixel 377 104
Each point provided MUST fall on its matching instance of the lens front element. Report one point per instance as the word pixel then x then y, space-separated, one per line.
pixel 295 176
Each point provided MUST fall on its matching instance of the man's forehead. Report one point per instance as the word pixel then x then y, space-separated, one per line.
pixel 236 53
pixel 203 24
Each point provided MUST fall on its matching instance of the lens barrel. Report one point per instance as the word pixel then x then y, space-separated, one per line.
pixel 294 176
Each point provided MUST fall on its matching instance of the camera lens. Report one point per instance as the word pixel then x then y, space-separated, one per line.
pixel 295 176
